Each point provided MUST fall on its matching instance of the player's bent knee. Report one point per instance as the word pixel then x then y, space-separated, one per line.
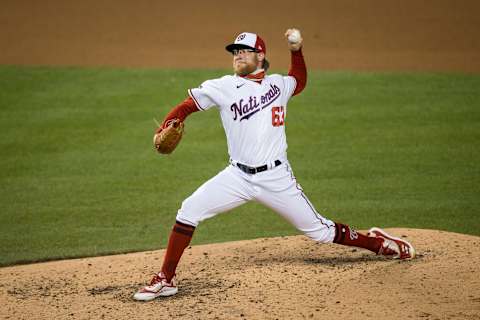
pixel 187 217
pixel 192 212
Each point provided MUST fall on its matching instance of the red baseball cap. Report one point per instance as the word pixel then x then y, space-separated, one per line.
pixel 248 40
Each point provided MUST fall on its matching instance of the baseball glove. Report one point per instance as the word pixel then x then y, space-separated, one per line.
pixel 167 139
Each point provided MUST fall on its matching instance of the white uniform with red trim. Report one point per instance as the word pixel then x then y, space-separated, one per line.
pixel 253 116
pixel 253 113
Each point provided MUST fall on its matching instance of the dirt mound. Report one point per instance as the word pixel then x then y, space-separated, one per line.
pixel 275 278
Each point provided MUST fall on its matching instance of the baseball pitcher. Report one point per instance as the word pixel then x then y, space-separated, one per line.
pixel 253 108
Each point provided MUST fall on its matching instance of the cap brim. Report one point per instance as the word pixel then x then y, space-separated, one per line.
pixel 234 46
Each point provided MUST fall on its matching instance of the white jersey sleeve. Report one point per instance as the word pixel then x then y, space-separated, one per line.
pixel 290 85
pixel 204 95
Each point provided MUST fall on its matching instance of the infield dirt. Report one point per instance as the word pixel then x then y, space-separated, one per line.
pixel 274 278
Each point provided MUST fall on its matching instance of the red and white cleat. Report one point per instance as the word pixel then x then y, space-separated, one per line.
pixel 158 287
pixel 393 247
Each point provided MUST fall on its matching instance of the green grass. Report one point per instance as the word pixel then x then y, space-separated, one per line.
pixel 79 177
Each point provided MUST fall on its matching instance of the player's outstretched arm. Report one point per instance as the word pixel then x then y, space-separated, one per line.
pixel 180 112
pixel 169 133
pixel 298 69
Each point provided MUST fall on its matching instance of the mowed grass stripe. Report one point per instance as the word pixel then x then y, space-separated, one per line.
pixel 79 176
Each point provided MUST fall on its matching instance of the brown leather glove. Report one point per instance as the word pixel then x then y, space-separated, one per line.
pixel 166 139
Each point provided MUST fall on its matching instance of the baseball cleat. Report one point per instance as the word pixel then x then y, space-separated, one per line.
pixel 393 247
pixel 158 287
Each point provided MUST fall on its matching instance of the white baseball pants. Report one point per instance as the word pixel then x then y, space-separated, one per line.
pixel 276 188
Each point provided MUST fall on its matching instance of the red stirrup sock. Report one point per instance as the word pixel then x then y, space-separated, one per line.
pixel 179 240
pixel 350 237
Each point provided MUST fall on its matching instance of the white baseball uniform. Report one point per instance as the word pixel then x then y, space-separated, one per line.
pixel 253 116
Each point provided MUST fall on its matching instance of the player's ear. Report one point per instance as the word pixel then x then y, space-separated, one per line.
pixel 261 56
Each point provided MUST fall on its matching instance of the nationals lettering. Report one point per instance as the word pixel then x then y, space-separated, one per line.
pixel 245 108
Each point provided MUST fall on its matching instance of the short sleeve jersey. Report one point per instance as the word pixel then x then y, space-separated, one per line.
pixel 253 114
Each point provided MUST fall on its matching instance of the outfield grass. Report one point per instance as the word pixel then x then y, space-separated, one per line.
pixel 79 177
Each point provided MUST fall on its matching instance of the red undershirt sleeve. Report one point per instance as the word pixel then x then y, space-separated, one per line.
pixel 298 70
pixel 181 111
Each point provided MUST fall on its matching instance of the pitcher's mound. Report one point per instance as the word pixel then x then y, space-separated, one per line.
pixel 275 278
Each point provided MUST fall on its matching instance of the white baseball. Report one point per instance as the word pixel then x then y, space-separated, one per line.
pixel 294 36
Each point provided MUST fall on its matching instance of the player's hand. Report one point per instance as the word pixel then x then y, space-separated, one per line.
pixel 294 39
pixel 165 124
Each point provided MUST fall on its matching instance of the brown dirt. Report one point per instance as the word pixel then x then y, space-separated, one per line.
pixel 438 35
pixel 275 278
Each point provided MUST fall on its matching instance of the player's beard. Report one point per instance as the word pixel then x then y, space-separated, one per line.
pixel 249 66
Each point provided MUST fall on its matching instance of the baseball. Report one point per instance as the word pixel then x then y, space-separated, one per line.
pixel 294 36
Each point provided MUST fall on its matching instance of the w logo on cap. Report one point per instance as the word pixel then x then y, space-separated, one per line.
pixel 241 37
pixel 248 40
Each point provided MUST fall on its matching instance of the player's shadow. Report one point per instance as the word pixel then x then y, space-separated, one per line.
pixel 325 261
pixel 342 260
